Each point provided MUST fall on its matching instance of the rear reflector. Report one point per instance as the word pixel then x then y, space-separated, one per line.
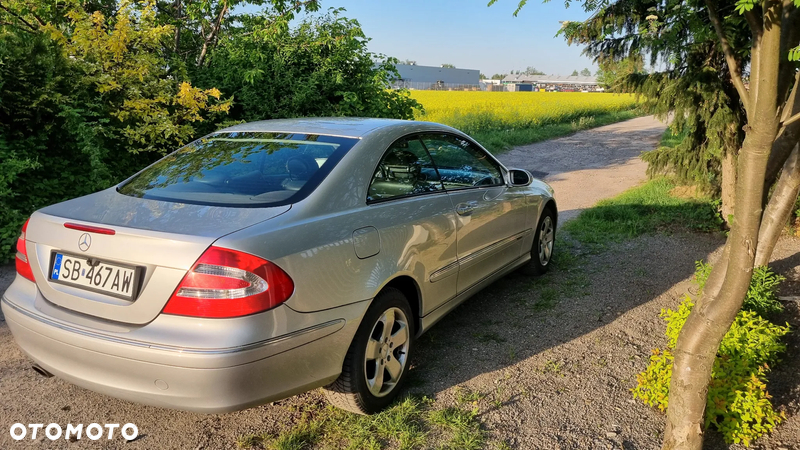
pixel 89 228
pixel 229 283
pixel 21 258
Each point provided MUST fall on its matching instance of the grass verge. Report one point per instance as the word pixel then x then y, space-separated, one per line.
pixel 651 207
pixel 409 423
pixel 499 141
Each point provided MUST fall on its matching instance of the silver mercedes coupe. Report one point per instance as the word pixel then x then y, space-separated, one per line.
pixel 271 258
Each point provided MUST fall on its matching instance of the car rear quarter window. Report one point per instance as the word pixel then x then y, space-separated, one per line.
pixel 460 163
pixel 244 169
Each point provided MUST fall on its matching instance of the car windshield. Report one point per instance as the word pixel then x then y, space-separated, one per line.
pixel 246 169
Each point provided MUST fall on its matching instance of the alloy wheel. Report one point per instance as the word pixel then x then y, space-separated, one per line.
pixel 546 240
pixel 387 352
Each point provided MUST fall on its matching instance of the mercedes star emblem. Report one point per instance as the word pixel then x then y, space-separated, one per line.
pixel 85 242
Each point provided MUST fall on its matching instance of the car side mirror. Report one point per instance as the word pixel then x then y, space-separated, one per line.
pixel 520 177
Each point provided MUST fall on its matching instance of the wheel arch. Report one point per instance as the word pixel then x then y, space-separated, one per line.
pixel 410 289
pixel 550 204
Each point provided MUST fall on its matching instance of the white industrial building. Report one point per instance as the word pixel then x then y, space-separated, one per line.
pixel 413 76
pixel 551 83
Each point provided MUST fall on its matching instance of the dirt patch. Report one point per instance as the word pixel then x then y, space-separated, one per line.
pixel 688 192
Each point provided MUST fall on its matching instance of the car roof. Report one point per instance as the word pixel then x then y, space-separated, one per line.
pixel 354 127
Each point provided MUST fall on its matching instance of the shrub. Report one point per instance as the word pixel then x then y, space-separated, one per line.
pixel 319 68
pixel 738 403
pixel 762 296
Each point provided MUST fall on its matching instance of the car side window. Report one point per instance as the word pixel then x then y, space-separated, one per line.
pixel 461 164
pixel 405 169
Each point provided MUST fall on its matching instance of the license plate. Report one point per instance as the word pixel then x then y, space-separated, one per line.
pixel 117 280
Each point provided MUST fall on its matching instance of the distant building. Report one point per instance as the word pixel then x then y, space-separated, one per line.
pixel 551 83
pixel 413 76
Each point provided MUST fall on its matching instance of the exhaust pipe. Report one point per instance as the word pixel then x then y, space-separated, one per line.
pixel 41 371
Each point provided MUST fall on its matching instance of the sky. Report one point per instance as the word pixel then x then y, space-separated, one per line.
pixel 469 34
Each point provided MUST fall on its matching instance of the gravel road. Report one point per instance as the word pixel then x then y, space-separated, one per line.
pixel 553 377
pixel 590 165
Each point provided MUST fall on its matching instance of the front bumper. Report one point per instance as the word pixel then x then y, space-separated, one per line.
pixel 201 380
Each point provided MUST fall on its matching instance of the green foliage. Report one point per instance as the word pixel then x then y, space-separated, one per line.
pixel 705 127
pixel 762 296
pixel 530 70
pixel 613 74
pixel 738 403
pixel 794 54
pixel 80 98
pixel 11 219
pixel 118 56
pixel 319 68
pixel 643 209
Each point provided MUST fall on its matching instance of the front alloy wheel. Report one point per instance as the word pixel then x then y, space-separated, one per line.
pixel 376 363
pixel 547 237
pixel 544 238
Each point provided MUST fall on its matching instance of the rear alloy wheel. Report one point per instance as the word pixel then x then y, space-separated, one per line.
pixel 377 361
pixel 543 244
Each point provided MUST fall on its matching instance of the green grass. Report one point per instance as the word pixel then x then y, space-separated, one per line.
pixel 548 298
pixel 409 423
pixel 644 209
pixel 499 141
pixel 466 431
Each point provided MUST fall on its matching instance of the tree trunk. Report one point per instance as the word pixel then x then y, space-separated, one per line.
pixel 712 316
pixel 728 187
pixel 177 8
pixel 710 319
pixel 779 208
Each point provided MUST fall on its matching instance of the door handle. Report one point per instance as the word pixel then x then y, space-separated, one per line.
pixel 465 209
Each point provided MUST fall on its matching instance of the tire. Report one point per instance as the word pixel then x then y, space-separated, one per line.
pixel 544 237
pixel 377 352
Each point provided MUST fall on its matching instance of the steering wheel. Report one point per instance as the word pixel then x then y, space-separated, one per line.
pixel 485 181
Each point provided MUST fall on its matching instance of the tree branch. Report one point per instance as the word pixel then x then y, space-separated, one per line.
pixel 212 34
pixel 730 58
pixel 792 119
pixel 788 136
pixel 789 39
pixel 20 18
pixel 756 26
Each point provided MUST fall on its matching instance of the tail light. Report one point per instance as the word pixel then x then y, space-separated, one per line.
pixel 21 259
pixel 229 283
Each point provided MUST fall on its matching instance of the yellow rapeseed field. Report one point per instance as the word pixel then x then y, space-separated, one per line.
pixel 476 111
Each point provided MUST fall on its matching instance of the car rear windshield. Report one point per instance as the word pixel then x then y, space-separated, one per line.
pixel 244 169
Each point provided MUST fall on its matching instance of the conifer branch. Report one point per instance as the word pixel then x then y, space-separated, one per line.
pixel 730 58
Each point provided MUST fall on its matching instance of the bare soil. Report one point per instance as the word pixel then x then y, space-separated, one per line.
pixel 554 357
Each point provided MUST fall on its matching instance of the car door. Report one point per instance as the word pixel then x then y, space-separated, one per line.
pixel 415 220
pixel 490 216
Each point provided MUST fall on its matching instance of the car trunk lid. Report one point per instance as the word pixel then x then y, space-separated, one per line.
pixel 159 241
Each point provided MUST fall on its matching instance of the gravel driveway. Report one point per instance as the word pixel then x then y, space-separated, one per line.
pixel 590 165
pixel 555 355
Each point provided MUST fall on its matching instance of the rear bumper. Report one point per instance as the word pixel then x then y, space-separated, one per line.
pixel 200 380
